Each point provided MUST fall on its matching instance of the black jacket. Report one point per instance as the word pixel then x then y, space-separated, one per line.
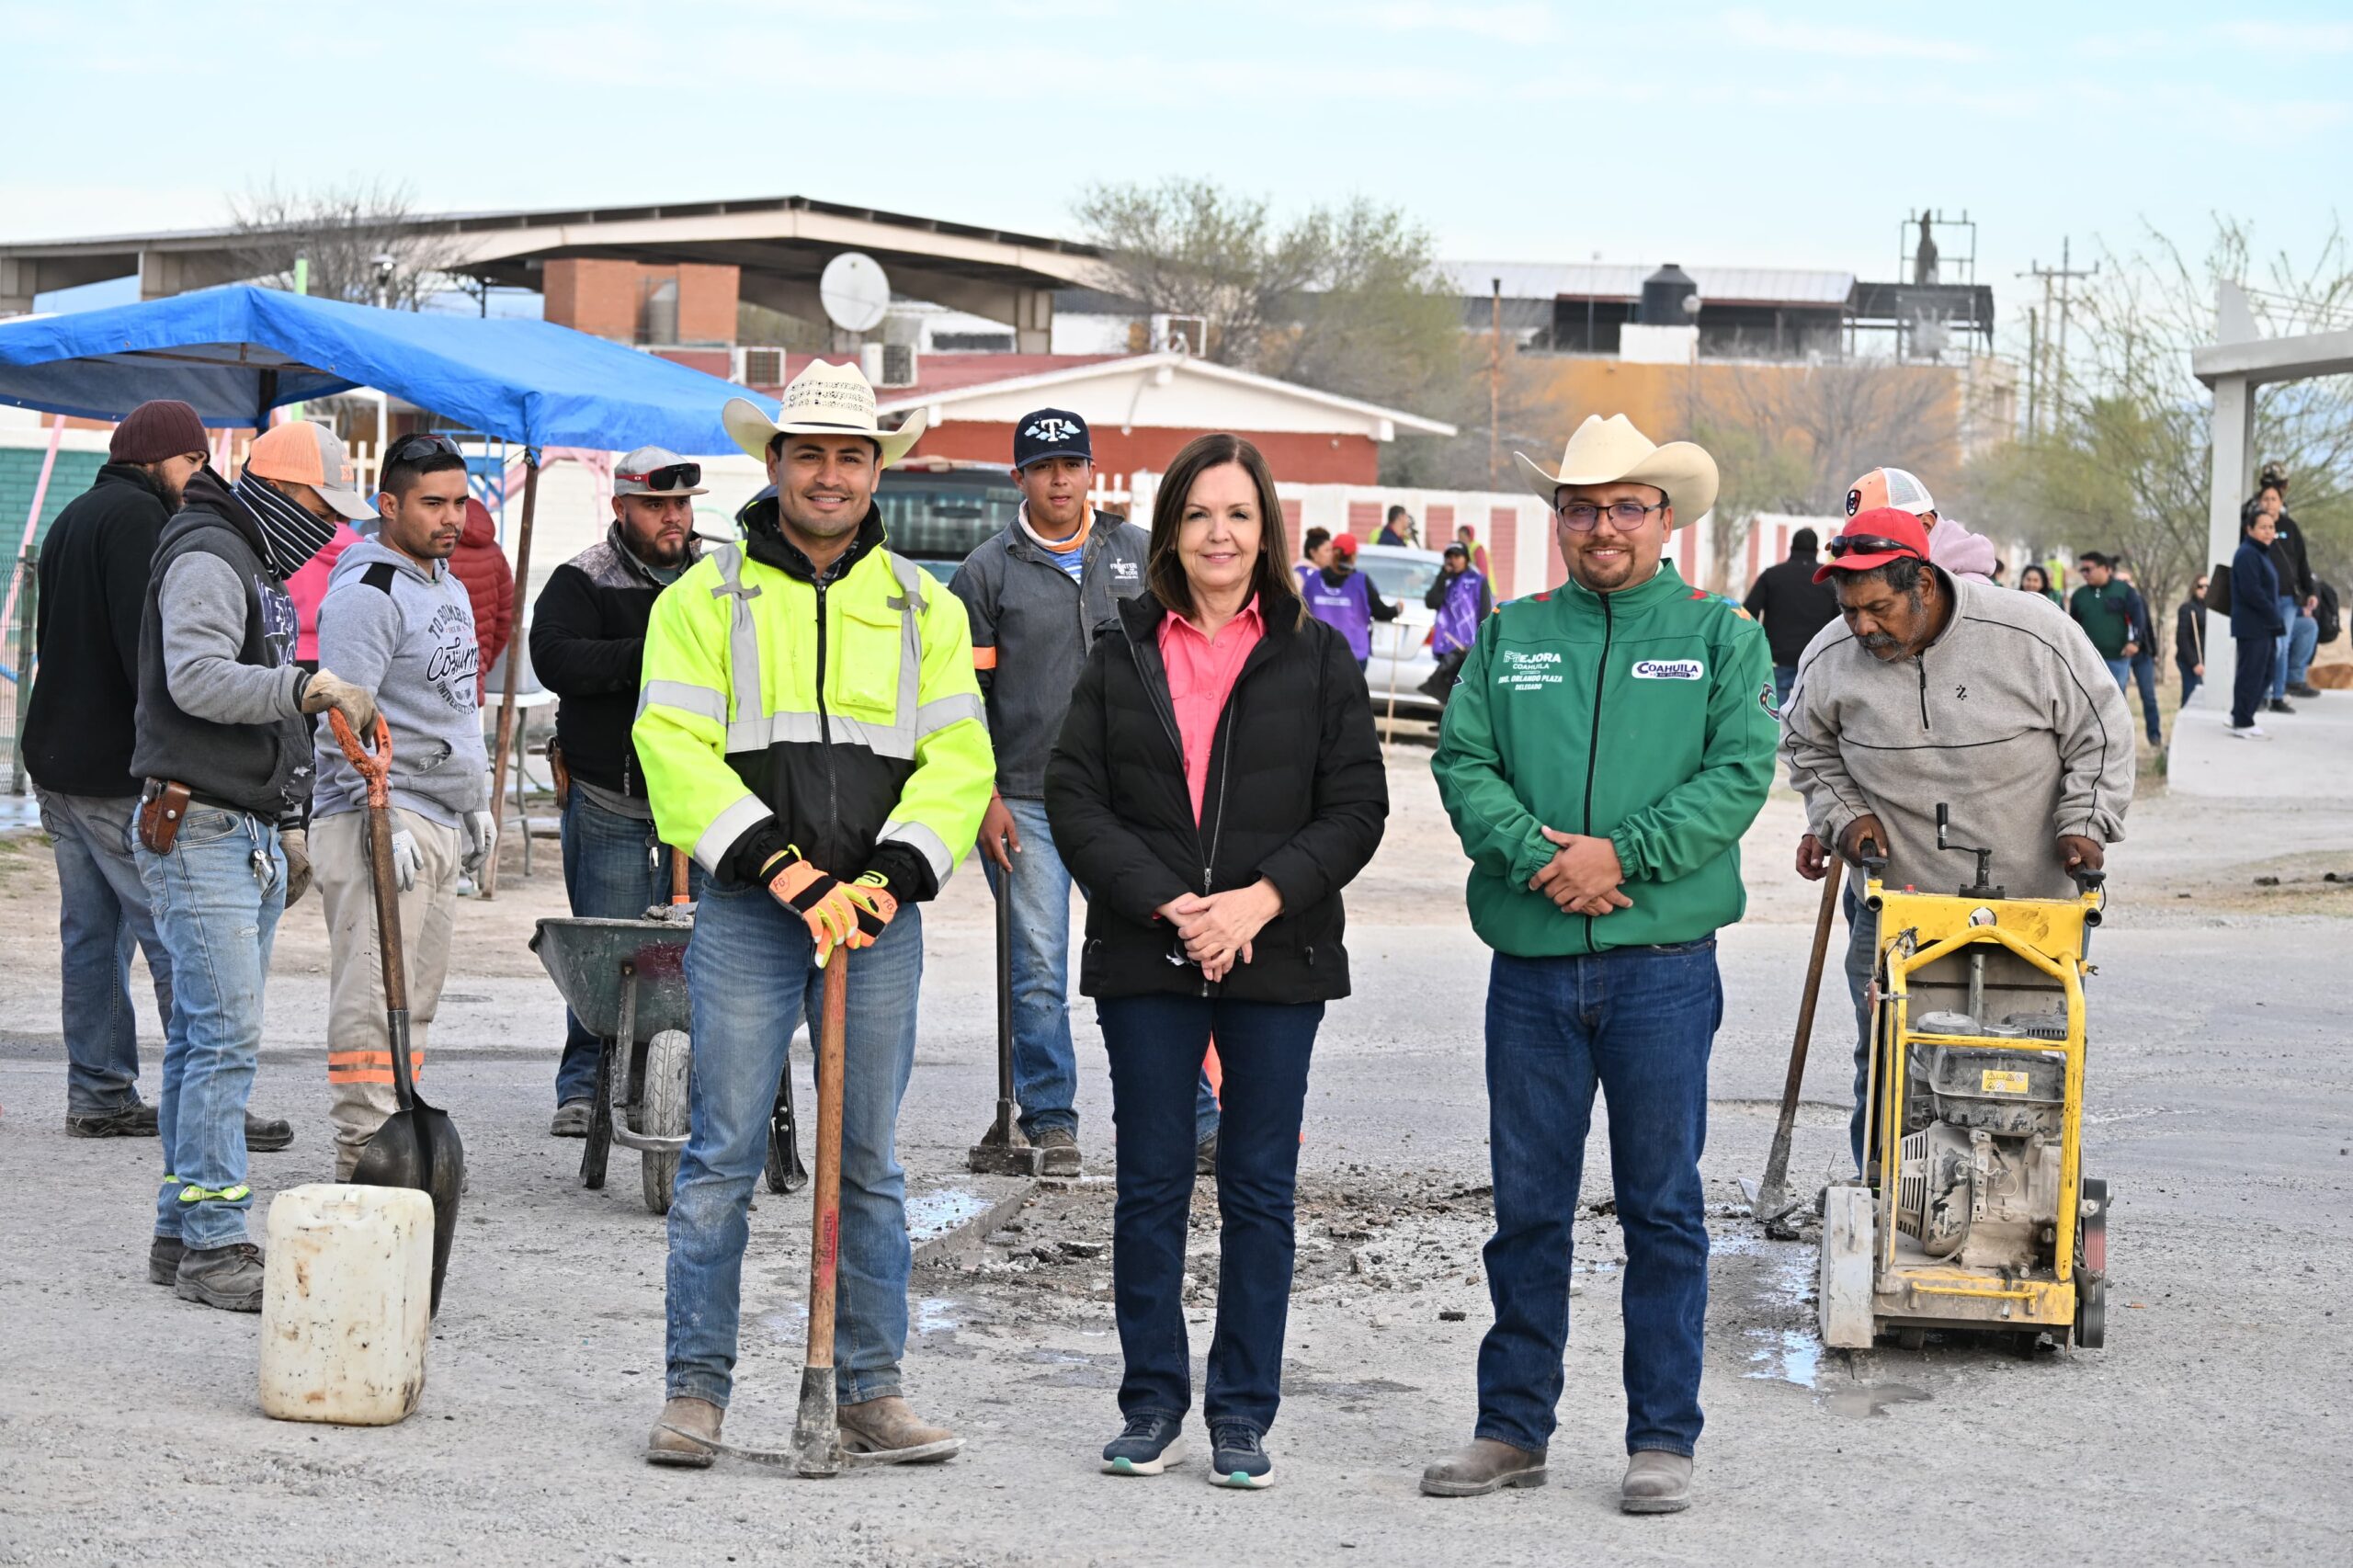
pixel 93 591
pixel 1790 606
pixel 1297 793
pixel 2289 557
pixel 587 640
pixel 263 767
pixel 2190 633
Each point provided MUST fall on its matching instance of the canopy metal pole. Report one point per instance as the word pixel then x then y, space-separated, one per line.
pixel 514 663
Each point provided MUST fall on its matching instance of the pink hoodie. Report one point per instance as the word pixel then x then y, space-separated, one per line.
pixel 1961 553
pixel 309 585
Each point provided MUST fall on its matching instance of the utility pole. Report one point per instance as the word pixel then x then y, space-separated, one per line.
pixel 1494 382
pixel 2055 326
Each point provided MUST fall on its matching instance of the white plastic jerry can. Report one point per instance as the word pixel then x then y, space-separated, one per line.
pixel 347 1303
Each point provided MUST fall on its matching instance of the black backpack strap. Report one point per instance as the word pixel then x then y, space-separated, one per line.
pixel 380 577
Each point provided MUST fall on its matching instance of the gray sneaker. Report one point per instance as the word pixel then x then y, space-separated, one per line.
pixel 228 1277
pixel 1058 1153
pixel 571 1120
pixel 136 1119
pixel 164 1255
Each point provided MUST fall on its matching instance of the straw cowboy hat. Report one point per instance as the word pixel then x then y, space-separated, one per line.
pixel 823 400
pixel 1611 451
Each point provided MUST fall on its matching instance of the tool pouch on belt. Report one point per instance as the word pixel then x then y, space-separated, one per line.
pixel 562 775
pixel 161 811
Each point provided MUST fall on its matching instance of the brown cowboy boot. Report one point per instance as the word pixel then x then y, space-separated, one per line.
pixel 1657 1482
pixel 889 1433
pixel 684 1434
pixel 1484 1465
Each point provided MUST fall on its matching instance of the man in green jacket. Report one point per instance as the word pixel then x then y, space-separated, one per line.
pixel 1607 746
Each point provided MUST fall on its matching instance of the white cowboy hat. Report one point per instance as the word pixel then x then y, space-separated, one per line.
pixel 1611 451
pixel 823 400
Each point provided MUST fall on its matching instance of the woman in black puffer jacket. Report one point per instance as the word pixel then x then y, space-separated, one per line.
pixel 1215 785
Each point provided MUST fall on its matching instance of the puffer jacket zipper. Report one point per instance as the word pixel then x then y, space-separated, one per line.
pixel 1593 744
pixel 824 722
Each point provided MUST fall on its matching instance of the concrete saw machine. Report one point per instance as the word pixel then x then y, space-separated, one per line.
pixel 1973 1211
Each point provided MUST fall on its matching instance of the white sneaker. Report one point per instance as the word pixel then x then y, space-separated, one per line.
pixel 2251 732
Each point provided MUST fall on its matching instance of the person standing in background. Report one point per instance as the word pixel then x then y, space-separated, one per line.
pixel 2299 596
pixel 2033 579
pixel 2256 621
pixel 1469 538
pixel 1792 607
pixel 1315 554
pixel 479 564
pixel 2190 640
pixel 309 585
pixel 1399 530
pixel 2103 608
pixel 1460 598
pixel 2144 662
pixel 1345 600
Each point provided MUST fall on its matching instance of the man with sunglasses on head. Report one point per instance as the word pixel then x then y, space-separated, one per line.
pixel 1606 744
pixel 587 641
pixel 397 620
pixel 1932 690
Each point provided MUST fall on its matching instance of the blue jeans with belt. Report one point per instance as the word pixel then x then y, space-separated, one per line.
pixel 1156 1044
pixel 751 975
pixel 615 867
pixel 1637 1023
pixel 216 898
pixel 101 912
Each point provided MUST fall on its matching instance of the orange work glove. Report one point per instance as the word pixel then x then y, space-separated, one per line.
pixel 871 894
pixel 822 902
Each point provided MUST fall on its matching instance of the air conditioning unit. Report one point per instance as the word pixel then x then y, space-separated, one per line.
pixel 1180 335
pixel 759 367
pixel 900 363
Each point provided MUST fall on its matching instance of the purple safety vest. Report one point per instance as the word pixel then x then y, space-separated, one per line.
pixel 1458 618
pixel 1345 609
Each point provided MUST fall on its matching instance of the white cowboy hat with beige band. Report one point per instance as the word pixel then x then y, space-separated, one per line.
pixel 823 400
pixel 1611 451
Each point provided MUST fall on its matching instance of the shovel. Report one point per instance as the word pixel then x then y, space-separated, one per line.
pixel 816 1431
pixel 1003 1150
pixel 1769 1200
pixel 416 1146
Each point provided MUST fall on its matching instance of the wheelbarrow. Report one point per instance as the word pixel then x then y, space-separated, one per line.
pixel 626 981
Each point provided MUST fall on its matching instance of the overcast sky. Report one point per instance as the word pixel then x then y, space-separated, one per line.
pixel 1517 132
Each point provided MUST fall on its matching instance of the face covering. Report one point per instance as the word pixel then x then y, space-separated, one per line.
pixel 293 534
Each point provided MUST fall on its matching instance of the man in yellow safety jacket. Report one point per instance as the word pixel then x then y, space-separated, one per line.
pixel 810 731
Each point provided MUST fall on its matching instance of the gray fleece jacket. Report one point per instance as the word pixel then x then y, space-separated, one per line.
pixel 2010 719
pixel 407 634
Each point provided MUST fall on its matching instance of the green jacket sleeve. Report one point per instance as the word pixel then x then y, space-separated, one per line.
pixel 1501 835
pixel 1705 815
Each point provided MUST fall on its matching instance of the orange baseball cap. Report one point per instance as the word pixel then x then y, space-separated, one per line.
pixel 298 452
pixel 1896 487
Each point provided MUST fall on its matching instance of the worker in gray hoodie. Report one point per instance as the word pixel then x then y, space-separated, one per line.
pixel 1934 689
pixel 398 622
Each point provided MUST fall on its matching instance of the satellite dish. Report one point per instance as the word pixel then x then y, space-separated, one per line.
pixel 854 291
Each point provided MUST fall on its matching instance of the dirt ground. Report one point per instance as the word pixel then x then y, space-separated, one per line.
pixel 2206 1432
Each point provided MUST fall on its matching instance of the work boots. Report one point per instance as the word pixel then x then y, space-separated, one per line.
pixel 1657 1482
pixel 684 1434
pixel 889 1430
pixel 136 1119
pixel 228 1277
pixel 1058 1153
pixel 164 1255
pixel 1484 1465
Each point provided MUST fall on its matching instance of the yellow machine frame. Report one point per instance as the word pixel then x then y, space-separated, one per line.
pixel 1917 929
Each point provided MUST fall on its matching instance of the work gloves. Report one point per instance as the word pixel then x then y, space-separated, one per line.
pixel 838 913
pixel 295 843
pixel 326 689
pixel 481 832
pixel 405 859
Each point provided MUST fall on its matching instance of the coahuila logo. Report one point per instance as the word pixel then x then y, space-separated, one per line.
pixel 1669 669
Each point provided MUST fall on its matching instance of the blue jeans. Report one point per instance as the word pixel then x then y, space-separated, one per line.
pixel 2296 646
pixel 101 911
pixel 2144 675
pixel 1156 1044
pixel 751 971
pixel 2190 680
pixel 1045 1062
pixel 216 899
pixel 2121 669
pixel 614 868
pixel 1862 959
pixel 1784 677
pixel 1638 1022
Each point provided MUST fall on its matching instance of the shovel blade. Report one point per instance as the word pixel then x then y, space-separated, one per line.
pixel 816 1430
pixel 419 1148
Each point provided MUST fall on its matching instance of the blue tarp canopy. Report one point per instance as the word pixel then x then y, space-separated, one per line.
pixel 235 353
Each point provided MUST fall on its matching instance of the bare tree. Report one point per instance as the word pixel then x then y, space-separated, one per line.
pixel 364 243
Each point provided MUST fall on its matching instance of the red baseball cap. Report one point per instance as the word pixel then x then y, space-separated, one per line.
pixel 1343 544
pixel 1874 539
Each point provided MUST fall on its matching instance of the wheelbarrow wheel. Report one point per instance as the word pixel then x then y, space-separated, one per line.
pixel 2091 1264
pixel 598 1147
pixel 662 1113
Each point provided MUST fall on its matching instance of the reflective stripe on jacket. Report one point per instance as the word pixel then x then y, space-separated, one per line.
pixel 844 708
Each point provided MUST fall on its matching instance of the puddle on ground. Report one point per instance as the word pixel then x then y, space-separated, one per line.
pixel 931 1215
pixel 1865 1400
pixel 929 1314
pixel 937 1314
pixel 1791 1355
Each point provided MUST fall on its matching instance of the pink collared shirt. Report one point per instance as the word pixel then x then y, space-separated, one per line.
pixel 1201 673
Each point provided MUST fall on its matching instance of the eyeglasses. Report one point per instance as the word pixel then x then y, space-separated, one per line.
pixel 1870 544
pixel 673 476
pixel 420 444
pixel 1579 517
